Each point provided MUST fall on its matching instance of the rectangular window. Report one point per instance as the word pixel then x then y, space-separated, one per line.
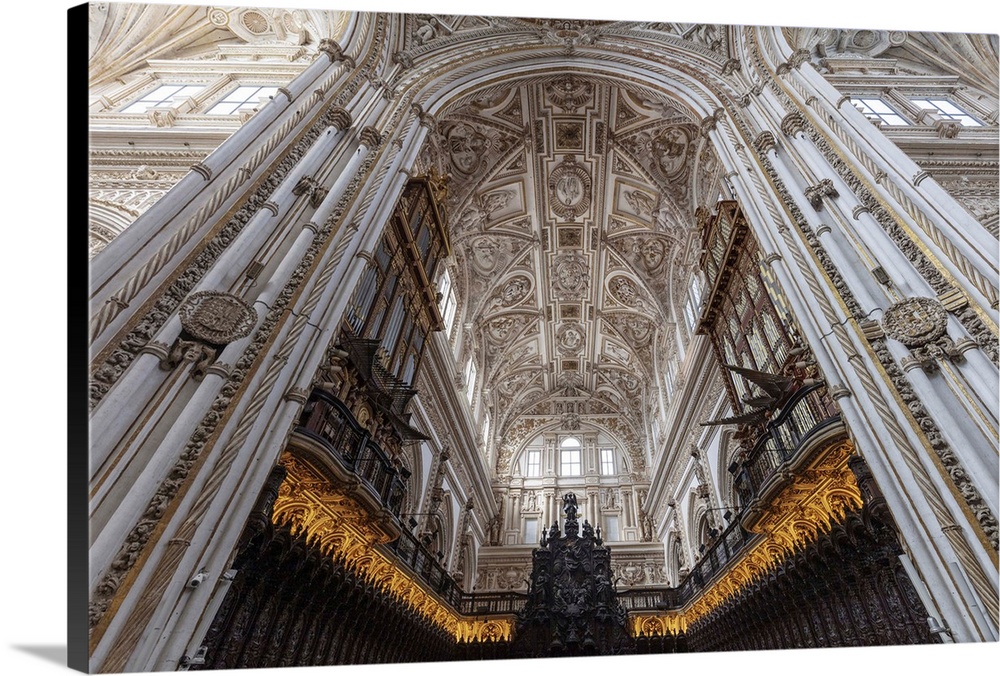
pixel 607 461
pixel 162 95
pixel 448 303
pixel 244 96
pixel 570 462
pixel 948 111
pixel 534 464
pixel 470 380
pixel 530 531
pixel 486 428
pixel 668 378
pixel 877 109
pixel 689 313
pixel 611 528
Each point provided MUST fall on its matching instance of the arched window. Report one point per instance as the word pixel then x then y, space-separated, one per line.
pixel 570 462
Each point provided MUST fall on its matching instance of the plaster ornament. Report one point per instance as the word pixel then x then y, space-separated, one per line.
pixel 570 421
pixel 496 201
pixel 570 381
pixel 484 254
pixel 624 290
pixel 569 135
pixel 921 324
pixel 569 93
pixel 500 329
pixel 636 329
pixel 641 203
pixel 669 152
pixel 571 276
pixel 816 193
pixel 510 385
pixel 652 252
pixel 466 147
pixel 569 189
pixel 513 291
pixel 617 352
pixel 570 338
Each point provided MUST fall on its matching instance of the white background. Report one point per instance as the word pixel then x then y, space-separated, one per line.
pixel 34 269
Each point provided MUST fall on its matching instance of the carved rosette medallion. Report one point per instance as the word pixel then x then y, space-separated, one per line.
pixel 216 317
pixel 915 322
pixel 921 324
pixel 569 189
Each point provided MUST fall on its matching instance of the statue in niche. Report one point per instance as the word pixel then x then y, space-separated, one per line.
pixel 610 499
pixel 531 501
pixel 645 525
pixel 427 29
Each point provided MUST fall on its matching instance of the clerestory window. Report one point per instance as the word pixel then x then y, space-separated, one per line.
pixel 877 109
pixel 162 95
pixel 242 96
pixel 948 111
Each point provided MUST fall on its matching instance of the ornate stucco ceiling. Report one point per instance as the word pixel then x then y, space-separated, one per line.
pixel 125 37
pixel 572 207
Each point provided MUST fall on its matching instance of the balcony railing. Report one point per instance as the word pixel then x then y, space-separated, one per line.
pixel 411 553
pixel 328 421
pixel 495 603
pixel 716 558
pixel 650 599
pixel 806 415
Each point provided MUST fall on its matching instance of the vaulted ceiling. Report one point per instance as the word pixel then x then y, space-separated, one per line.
pixel 572 207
